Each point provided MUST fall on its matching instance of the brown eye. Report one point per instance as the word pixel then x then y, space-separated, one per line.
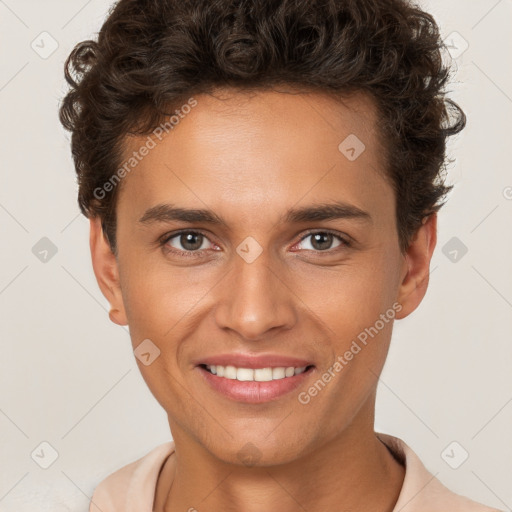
pixel 322 241
pixel 187 241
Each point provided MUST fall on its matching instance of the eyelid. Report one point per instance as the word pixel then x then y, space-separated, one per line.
pixel 163 240
pixel 346 241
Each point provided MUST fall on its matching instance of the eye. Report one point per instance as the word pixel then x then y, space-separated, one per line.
pixel 322 241
pixel 186 242
pixel 192 243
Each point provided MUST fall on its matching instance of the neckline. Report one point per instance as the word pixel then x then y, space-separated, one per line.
pixel 165 491
pixel 396 447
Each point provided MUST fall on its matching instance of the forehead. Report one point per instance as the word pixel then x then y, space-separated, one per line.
pixel 247 150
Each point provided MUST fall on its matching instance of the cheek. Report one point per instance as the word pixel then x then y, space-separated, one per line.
pixel 159 298
pixel 355 305
pixel 357 291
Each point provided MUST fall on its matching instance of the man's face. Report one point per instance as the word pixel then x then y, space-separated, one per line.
pixel 260 282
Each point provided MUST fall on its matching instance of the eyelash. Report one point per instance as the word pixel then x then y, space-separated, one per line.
pixel 345 243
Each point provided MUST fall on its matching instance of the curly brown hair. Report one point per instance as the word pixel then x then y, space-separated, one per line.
pixel 151 55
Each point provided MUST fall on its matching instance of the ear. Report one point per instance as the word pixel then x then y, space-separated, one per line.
pixel 106 271
pixel 416 270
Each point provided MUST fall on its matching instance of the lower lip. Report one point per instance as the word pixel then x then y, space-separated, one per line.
pixel 251 391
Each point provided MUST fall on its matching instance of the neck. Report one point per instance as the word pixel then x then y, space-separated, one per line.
pixel 353 471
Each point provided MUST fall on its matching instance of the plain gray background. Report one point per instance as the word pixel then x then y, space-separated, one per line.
pixel 68 376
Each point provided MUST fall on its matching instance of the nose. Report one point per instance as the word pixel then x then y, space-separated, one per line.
pixel 254 300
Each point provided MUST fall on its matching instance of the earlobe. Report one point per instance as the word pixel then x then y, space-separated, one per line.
pixel 106 270
pixel 416 271
pixel 113 314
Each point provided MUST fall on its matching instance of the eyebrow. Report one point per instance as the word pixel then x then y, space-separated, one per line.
pixel 327 211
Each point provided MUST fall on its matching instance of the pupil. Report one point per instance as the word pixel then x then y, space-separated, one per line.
pixel 317 238
pixel 187 241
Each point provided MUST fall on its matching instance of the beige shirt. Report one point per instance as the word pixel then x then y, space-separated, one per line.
pixel 132 487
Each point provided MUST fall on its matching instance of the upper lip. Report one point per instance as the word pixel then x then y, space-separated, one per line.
pixel 254 361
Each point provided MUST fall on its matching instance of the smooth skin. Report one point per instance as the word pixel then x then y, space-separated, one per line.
pixel 249 158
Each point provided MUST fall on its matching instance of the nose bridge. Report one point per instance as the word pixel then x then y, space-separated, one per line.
pixel 254 300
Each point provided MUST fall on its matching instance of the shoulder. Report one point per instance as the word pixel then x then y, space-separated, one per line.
pixel 133 485
pixel 422 491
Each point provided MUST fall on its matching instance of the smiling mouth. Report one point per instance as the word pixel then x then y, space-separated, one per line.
pixel 255 374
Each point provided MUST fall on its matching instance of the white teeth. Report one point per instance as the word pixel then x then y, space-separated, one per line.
pixel 289 372
pixel 244 374
pixel 263 374
pixel 258 374
pixel 230 372
pixel 278 373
